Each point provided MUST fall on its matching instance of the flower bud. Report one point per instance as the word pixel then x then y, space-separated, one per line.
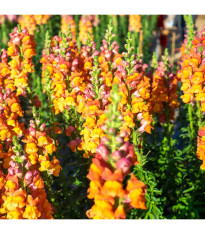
pixel 17 153
pixel 102 151
pixel 28 175
pixel 69 130
pixel 27 165
pixel 104 140
pixel 38 122
pixel 18 172
pixel 13 157
pixel 123 164
pixel 119 140
pixel 72 144
pixel 42 127
pixel 125 146
pixel 111 130
pixel 144 66
pixel 23 157
pixel 32 131
pixel 11 171
pixel 108 55
pixel 104 127
pixel 75 62
pixel 96 53
pixel 32 124
pixel 78 140
pixel 116 155
pixel 13 164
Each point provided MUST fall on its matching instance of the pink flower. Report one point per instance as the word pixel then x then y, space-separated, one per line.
pixel 32 131
pixel 28 175
pixel 11 171
pixel 119 140
pixel 104 140
pixel 125 147
pixel 116 155
pixel 72 144
pixel 123 164
pixel 78 140
pixel 69 130
pixel 13 164
pixel 102 152
pixel 11 18
pixel 18 172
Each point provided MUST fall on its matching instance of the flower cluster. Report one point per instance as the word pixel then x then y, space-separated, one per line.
pixel 135 23
pixel 113 160
pixel 22 194
pixel 66 76
pixel 57 67
pixel 10 110
pixel 106 68
pixel 135 89
pixel 95 98
pixel 85 29
pixel 192 72
pixel 21 49
pixel 9 127
pixel 83 81
pixel 31 21
pixel 164 92
pixel 38 147
pixel 68 24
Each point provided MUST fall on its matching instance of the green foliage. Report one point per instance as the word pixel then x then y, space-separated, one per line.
pixel 148 26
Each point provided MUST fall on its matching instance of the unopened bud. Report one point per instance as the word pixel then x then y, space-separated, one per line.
pixel 116 155
pixel 102 151
pixel 19 172
pixel 32 131
pixel 28 175
pixel 123 164
pixel 104 140
pixel 11 171
pixel 111 130
pixel 119 140
pixel 28 164
pixel 42 127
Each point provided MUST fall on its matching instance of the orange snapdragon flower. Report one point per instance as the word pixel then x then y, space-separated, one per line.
pixel 85 28
pixel 31 21
pixel 192 71
pixel 68 20
pixel 135 23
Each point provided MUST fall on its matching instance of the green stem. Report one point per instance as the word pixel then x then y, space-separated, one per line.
pixel 190 113
pixel 135 137
pixel 199 116
pixel 4 31
pixel 53 123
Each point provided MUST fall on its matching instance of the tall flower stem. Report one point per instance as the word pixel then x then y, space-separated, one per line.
pixel 191 121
